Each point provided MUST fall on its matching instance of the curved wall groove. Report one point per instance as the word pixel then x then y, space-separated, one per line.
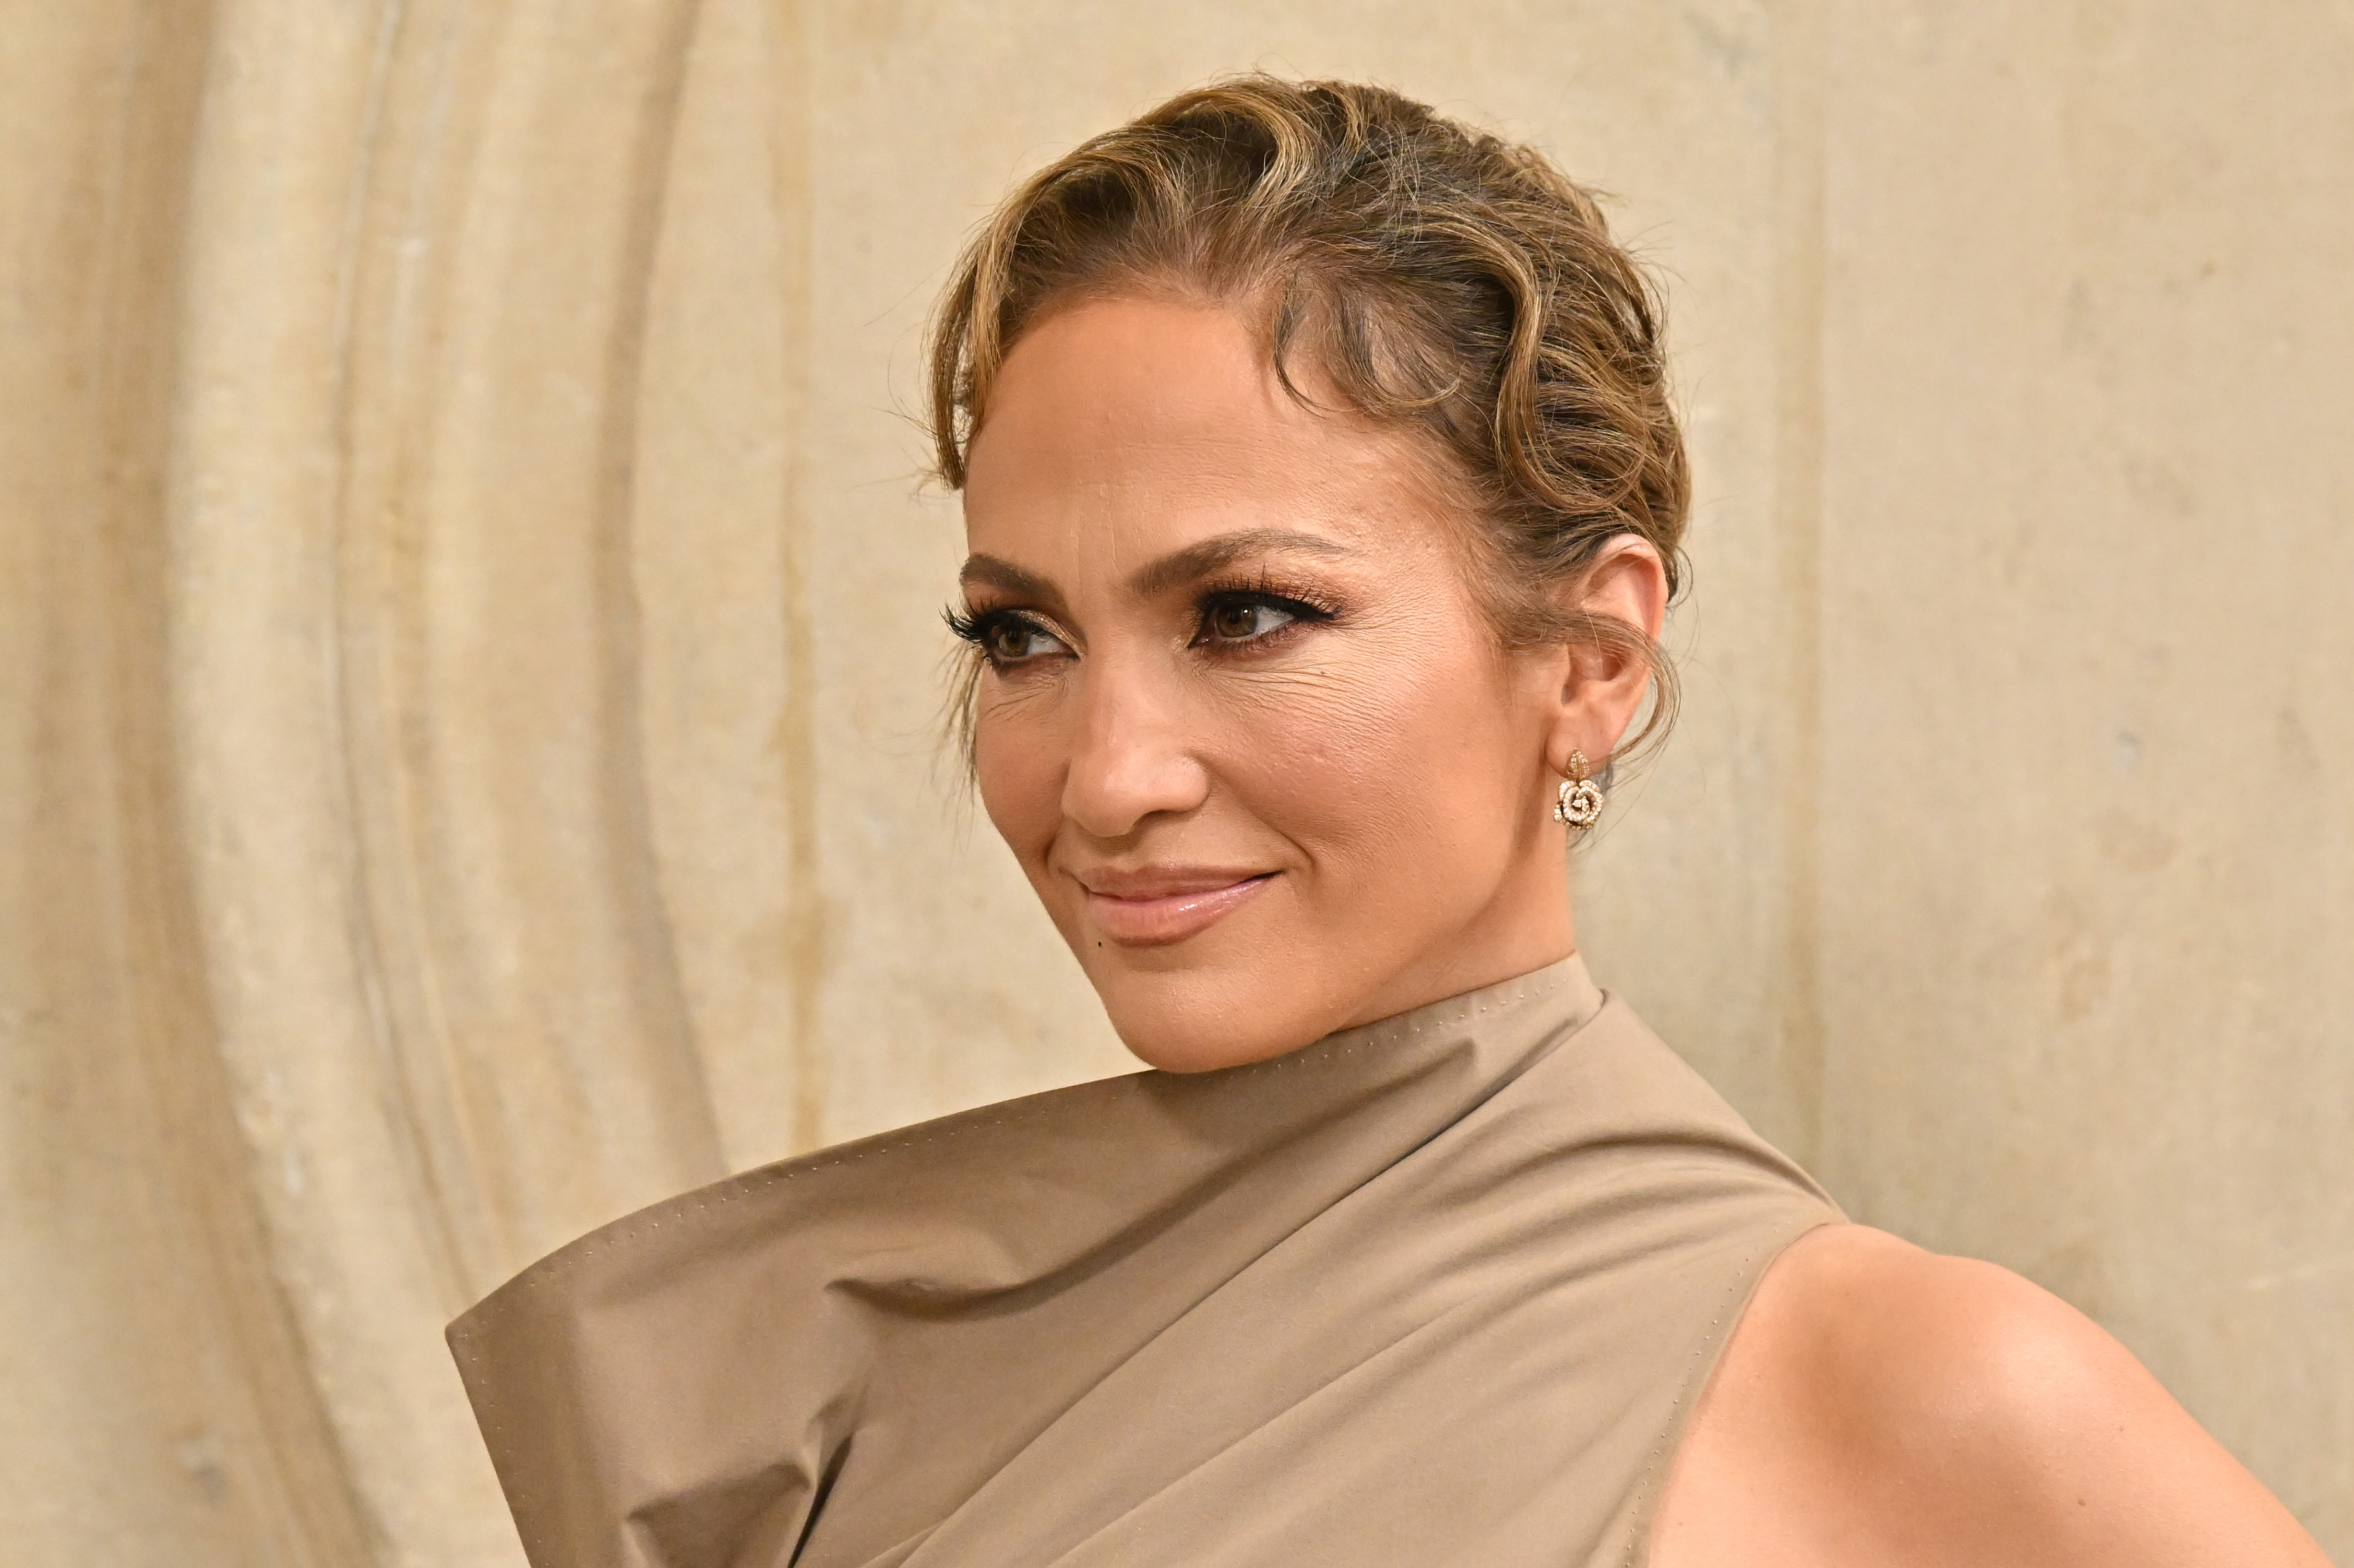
pixel 488 627
pixel 161 1407
pixel 469 658
pixel 410 683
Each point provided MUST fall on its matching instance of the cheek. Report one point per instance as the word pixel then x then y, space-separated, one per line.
pixel 1401 766
pixel 1019 773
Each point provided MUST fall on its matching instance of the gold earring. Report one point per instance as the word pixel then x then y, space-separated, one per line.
pixel 1580 804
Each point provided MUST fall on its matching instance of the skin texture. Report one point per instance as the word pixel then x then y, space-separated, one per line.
pixel 1268 768
pixel 1881 1405
pixel 1372 782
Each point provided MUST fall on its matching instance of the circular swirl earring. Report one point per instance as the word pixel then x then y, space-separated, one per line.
pixel 1580 805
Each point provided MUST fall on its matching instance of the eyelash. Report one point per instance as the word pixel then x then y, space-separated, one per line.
pixel 1305 605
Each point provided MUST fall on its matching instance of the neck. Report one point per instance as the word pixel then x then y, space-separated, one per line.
pixel 1527 925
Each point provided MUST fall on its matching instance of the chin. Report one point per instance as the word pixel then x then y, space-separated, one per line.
pixel 1198 1017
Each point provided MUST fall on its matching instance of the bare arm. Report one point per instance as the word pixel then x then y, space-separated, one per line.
pixel 1881 1405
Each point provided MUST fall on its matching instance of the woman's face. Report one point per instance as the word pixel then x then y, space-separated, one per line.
pixel 1242 721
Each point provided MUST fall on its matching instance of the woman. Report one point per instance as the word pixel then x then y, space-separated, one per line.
pixel 1323 500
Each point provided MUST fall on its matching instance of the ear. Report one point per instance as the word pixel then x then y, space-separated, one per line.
pixel 1602 686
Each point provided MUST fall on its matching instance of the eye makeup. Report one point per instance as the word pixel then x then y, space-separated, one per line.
pixel 1230 617
pixel 1005 637
pixel 1241 616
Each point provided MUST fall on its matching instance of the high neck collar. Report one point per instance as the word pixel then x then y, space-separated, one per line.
pixel 1496 1027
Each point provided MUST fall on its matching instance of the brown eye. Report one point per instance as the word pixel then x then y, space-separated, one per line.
pixel 1011 639
pixel 1241 620
pixel 1006 638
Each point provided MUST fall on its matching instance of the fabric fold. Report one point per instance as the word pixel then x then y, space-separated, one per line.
pixel 1414 1294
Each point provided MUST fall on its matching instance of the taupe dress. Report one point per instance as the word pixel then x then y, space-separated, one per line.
pixel 1437 1290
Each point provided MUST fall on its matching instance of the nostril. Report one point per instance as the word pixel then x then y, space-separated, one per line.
pixel 1111 791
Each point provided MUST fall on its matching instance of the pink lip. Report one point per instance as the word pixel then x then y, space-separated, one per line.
pixel 1156 906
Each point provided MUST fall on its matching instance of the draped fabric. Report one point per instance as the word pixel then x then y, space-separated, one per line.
pixel 1440 1289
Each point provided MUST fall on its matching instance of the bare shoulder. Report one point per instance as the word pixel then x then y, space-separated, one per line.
pixel 1881 1403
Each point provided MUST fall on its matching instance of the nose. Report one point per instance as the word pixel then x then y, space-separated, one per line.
pixel 1131 755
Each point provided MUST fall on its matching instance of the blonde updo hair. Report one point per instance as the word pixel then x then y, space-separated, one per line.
pixel 1439 276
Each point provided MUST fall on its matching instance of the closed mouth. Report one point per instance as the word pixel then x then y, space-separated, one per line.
pixel 1157 906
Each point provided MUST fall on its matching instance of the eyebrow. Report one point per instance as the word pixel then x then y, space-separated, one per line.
pixel 1197 561
pixel 1180 567
pixel 992 571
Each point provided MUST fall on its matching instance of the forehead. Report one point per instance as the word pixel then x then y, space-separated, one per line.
pixel 1120 429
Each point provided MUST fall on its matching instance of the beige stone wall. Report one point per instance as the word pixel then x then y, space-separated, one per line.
pixel 469 656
